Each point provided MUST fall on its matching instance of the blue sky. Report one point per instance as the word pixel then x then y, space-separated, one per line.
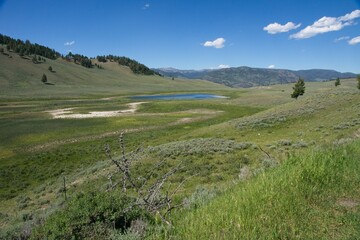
pixel 195 34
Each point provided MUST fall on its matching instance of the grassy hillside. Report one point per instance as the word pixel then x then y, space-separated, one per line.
pixel 21 78
pixel 312 196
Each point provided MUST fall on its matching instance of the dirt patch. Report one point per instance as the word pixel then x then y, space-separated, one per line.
pixel 348 203
pixel 184 120
pixel 68 112
pixel 357 133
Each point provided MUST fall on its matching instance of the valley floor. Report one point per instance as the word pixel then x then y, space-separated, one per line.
pixel 226 148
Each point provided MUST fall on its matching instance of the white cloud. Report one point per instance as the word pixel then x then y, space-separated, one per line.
pixel 274 28
pixel 327 24
pixel 351 16
pixel 223 66
pixel 271 66
pixel 217 43
pixel 341 38
pixel 69 43
pixel 146 6
pixel 354 40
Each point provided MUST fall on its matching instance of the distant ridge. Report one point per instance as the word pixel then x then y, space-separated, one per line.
pixel 250 77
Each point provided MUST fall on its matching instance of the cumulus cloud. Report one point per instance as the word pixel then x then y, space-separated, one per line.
pixel 327 24
pixel 217 43
pixel 223 66
pixel 354 40
pixel 274 28
pixel 69 43
pixel 271 66
pixel 341 38
pixel 146 6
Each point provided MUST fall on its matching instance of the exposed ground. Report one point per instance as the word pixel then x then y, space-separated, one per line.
pixel 68 112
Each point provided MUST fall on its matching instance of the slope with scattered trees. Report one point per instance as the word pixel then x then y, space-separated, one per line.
pixel 135 66
pixel 27 48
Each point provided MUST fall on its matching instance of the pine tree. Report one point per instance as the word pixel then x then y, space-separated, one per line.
pixel 44 78
pixel 358 80
pixel 50 69
pixel 299 89
pixel 34 59
pixel 337 82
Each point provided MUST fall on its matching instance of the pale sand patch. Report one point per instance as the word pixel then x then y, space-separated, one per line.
pixel 68 112
pixel 346 202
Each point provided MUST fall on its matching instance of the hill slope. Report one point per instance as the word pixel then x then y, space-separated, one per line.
pixel 249 77
pixel 308 197
pixel 21 78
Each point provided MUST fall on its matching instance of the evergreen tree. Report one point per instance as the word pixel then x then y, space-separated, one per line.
pixel 337 82
pixel 358 80
pixel 299 89
pixel 27 48
pixel 34 59
pixel 44 78
pixel 50 69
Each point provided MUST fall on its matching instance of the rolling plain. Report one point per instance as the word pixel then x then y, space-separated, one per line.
pixel 257 164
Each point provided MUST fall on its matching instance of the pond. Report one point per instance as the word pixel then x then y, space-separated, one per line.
pixel 187 96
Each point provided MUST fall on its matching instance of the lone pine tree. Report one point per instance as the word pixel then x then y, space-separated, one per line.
pixel 299 89
pixel 337 82
pixel 44 78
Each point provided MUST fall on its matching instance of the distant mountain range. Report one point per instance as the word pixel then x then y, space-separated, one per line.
pixel 250 77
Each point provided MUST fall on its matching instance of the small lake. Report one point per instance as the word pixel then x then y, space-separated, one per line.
pixel 188 96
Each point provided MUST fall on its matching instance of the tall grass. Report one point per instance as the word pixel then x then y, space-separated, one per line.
pixel 312 196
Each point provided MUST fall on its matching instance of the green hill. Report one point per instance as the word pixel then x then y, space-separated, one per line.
pixel 20 77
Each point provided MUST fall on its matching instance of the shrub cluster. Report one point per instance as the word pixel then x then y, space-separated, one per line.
pixel 92 216
pixel 198 146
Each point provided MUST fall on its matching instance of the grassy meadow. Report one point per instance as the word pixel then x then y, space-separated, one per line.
pixel 21 79
pixel 258 164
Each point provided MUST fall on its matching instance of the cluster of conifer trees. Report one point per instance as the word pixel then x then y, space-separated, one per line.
pixel 81 59
pixel 135 66
pixel 27 48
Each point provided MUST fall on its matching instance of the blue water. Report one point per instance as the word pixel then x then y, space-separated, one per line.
pixel 188 96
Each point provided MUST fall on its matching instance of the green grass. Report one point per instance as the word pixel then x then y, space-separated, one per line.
pixel 37 151
pixel 312 196
pixel 21 79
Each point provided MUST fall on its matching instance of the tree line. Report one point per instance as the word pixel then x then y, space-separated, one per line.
pixel 27 48
pixel 78 58
pixel 135 66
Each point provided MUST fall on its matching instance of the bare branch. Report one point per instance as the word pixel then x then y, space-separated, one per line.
pixel 149 196
pixel 264 152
